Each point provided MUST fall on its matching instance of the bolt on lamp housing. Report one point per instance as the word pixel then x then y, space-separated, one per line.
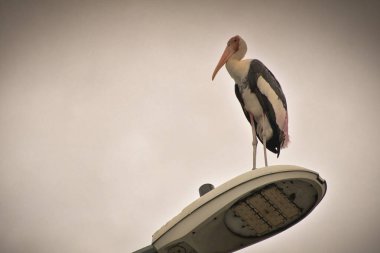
pixel 243 211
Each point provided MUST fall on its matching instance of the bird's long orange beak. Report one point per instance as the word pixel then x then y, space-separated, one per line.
pixel 225 56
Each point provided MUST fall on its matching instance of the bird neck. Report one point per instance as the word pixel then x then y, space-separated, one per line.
pixel 238 69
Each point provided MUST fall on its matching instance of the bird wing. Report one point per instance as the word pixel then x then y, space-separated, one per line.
pixel 259 77
pixel 258 69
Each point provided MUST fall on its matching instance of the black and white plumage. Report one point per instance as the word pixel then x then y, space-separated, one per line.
pixel 260 95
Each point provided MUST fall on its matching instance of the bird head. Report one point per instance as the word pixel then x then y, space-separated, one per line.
pixel 236 48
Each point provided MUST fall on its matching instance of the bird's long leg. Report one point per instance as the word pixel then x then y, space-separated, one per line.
pixel 265 151
pixel 264 143
pixel 254 140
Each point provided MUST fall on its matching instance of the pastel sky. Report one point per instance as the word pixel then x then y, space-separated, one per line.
pixel 109 121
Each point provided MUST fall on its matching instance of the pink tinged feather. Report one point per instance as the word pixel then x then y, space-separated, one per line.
pixel 286 133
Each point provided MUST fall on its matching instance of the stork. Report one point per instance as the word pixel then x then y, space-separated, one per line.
pixel 260 96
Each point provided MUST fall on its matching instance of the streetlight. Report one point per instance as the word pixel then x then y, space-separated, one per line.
pixel 243 211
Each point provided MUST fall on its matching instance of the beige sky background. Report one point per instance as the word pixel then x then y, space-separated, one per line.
pixel 109 121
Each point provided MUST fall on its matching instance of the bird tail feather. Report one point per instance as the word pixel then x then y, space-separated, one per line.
pixel 286 133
